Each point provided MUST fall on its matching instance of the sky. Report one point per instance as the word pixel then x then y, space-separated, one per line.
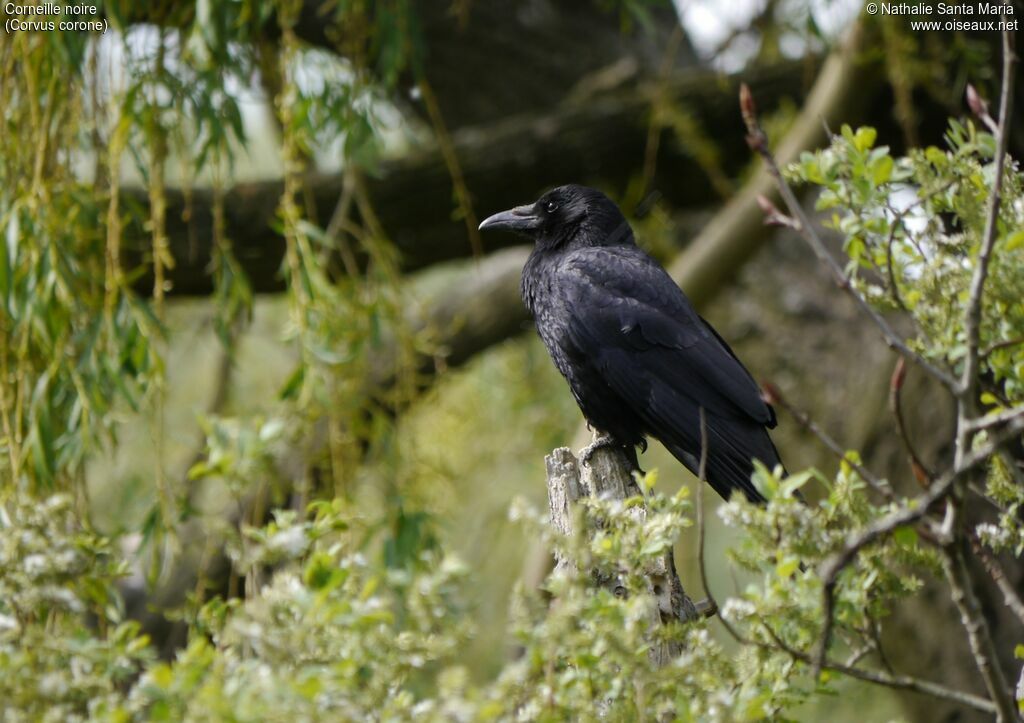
pixel 709 22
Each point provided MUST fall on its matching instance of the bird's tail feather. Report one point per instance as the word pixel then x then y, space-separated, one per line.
pixel 730 458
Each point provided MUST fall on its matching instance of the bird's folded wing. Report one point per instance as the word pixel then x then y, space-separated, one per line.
pixel 622 301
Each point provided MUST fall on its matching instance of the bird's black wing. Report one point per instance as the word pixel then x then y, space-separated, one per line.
pixel 771 411
pixel 639 330
pixel 622 299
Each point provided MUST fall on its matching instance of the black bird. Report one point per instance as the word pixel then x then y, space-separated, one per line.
pixel 638 358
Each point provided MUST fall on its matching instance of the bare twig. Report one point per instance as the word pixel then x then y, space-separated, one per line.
pixel 451 160
pixel 978 634
pixel 1011 596
pixel 972 317
pixel 701 565
pixel 899 374
pixel 908 514
pixel 904 682
pixel 858 655
pixel 995 420
pixel 894 287
pixel 701 478
pixel 876 638
pixel 758 141
pixel 1004 344
pixel 828 598
pixel 979 106
pixel 654 126
pixel 339 220
pixel 710 605
pixel 957 575
pixel 978 492
pixel 774 396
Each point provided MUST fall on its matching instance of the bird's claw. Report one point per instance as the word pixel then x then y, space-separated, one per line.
pixel 599 443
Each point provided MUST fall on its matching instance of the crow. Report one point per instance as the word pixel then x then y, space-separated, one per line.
pixel 638 358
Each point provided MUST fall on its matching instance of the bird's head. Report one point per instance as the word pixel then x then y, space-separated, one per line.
pixel 567 215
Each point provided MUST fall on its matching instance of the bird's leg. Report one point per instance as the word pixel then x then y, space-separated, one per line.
pixel 636 474
pixel 631 457
pixel 601 440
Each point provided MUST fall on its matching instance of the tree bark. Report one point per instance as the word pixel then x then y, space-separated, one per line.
pixel 607 475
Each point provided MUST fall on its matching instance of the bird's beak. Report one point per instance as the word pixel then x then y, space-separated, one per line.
pixel 520 218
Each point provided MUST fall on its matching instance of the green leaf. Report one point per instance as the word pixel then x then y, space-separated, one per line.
pixel 905 535
pixel 42 433
pixel 787 567
pixel 864 138
pixel 1014 241
pixel 881 170
pixel 935 156
pixel 291 388
pixel 648 480
pixel 321 572
pixel 795 482
pixel 5 278
pixel 989 399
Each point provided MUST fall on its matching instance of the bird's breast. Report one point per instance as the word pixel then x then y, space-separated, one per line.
pixel 536 286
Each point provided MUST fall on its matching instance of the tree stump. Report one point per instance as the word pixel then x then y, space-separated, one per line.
pixel 607 475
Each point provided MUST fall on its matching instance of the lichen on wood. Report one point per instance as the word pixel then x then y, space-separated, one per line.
pixel 606 474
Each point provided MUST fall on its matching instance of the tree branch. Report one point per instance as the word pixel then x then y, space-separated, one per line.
pixel 917 467
pixel 972 317
pixel 503 163
pixel 978 634
pixel 1011 597
pixel 737 231
pixel 995 420
pixel 904 682
pixel 801 223
pixel 909 513
pixel 775 396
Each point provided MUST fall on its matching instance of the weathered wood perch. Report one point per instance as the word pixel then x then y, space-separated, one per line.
pixel 607 475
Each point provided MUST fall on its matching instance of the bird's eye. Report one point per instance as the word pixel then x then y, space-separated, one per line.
pixel 551 207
